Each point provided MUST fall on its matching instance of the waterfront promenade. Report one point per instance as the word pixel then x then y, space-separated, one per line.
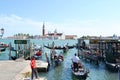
pixel 15 70
pixel 11 70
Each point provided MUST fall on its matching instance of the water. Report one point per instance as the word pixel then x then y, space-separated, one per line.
pixel 63 72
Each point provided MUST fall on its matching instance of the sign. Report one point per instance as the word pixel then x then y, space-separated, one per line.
pixel 21 41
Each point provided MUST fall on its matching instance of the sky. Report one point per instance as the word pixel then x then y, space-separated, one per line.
pixel 71 17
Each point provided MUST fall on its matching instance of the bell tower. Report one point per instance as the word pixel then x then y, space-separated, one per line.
pixel 43 30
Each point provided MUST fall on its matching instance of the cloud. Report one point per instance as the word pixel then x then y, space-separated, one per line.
pixel 14 24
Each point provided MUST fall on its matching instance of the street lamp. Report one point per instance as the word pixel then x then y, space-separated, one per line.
pixel 2 32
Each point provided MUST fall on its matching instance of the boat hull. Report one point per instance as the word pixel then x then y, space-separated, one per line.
pixel 82 73
pixel 91 57
pixel 112 66
pixel 2 49
pixel 59 48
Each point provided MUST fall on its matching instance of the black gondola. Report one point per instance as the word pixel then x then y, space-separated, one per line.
pixel 2 49
pixel 81 73
pixel 59 47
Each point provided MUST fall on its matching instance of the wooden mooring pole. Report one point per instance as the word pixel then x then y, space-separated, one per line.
pixel 10 51
pixel 47 59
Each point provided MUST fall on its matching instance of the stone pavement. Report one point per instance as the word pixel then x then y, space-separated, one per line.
pixel 13 70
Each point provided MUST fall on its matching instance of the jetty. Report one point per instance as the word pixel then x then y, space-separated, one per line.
pixel 42 65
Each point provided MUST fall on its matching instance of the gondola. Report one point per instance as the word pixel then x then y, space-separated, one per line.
pixel 56 47
pixel 13 57
pixel 64 48
pixel 56 59
pixel 2 49
pixel 81 73
pixel 59 47
pixel 113 66
pixel 38 54
pixel 3 45
pixel 90 56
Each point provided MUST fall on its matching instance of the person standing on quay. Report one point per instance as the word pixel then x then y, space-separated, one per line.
pixel 33 67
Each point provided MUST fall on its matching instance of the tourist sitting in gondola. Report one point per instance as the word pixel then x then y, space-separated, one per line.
pixel 38 54
pixel 57 58
pixel 60 57
pixel 75 61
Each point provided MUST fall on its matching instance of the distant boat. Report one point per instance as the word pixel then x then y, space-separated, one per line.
pixel 38 54
pixel 3 45
pixel 64 48
pixel 59 47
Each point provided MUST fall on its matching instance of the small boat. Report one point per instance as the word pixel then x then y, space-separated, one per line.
pixel 38 54
pixel 64 48
pixel 3 45
pixel 59 47
pixel 13 57
pixel 89 55
pixel 57 59
pixel 81 73
pixel 2 49
pixel 56 47
pixel 112 66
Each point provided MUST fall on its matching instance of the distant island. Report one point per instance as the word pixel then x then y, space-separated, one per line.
pixel 50 35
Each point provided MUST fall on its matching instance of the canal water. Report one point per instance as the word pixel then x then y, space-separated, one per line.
pixel 63 71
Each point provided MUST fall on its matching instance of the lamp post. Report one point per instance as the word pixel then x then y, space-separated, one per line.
pixel 2 32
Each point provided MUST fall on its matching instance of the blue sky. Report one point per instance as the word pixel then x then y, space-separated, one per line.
pixel 79 17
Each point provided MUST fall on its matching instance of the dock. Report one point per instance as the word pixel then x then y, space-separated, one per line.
pixel 18 70
pixel 10 70
pixel 42 65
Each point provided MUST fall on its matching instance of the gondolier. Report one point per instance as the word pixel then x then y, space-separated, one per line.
pixel 75 61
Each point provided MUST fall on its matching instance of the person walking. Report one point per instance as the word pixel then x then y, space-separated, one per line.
pixel 33 68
